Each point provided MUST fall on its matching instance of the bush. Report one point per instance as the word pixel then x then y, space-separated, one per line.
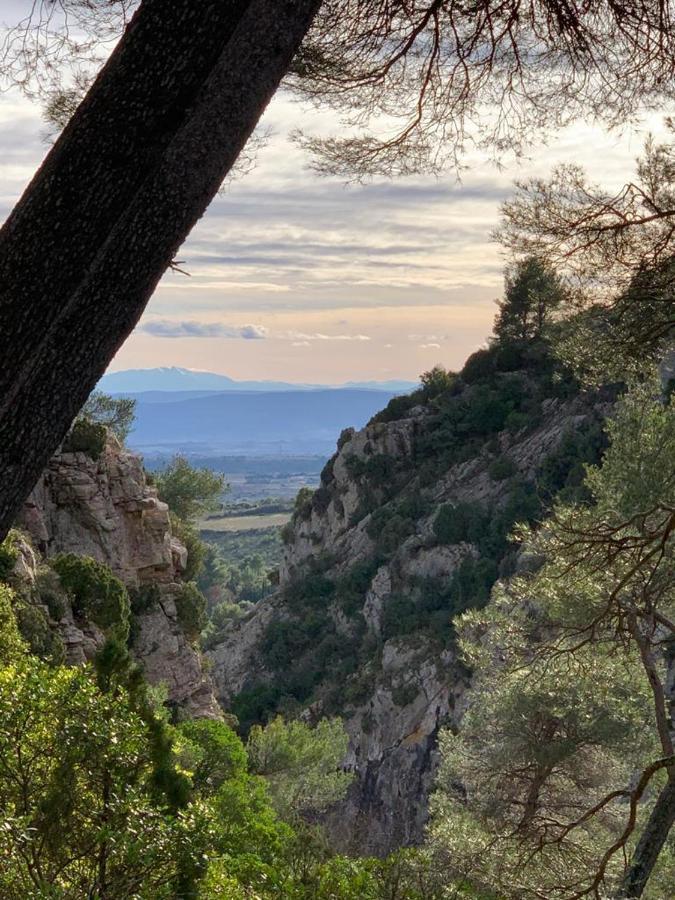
pixel 115 413
pixel 87 437
pixel 380 469
pixel 191 610
pixel 255 704
pixel 144 598
pixel 400 616
pixel 436 382
pixel 351 588
pixel 8 557
pixel 461 522
pixel 563 471
pixel 315 589
pixel 11 645
pixel 188 535
pixel 42 641
pixel 389 530
pixel 96 594
pixel 189 492
pixel 404 694
pixel 399 407
pixel 479 366
pixel 302 508
pixel 49 590
pixel 288 534
pixel 502 468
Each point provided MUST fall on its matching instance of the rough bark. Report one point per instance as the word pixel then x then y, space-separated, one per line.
pixel 105 214
pixel 652 839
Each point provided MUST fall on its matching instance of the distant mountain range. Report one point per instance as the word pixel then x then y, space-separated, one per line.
pixel 174 378
pixel 252 423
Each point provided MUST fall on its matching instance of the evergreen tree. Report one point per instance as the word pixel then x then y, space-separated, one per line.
pixel 533 292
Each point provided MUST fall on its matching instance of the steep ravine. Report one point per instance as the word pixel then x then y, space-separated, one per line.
pixel 105 509
pixel 361 624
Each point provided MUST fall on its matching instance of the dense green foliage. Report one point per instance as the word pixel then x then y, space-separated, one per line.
pixel 191 609
pixel 533 292
pixel 8 556
pixel 500 391
pixel 95 593
pixel 86 436
pixel 116 414
pixel 101 798
pixel 562 756
pixel 189 492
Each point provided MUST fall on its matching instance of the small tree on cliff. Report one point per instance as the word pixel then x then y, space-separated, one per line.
pixel 533 292
pixel 116 413
pixel 190 492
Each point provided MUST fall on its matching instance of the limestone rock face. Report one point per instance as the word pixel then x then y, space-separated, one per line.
pixel 105 509
pixel 413 685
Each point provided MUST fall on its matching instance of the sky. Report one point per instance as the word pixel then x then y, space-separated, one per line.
pixel 298 277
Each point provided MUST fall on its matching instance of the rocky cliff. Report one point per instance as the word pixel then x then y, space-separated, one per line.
pixel 409 527
pixel 105 509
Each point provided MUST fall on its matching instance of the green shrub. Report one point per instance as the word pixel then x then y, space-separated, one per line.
pixel 191 610
pixel 42 641
pixel 399 407
pixel 302 508
pixel 96 594
pixel 12 646
pixel 188 535
pixel 379 469
pixel 8 557
pixel 461 522
pixel 389 531
pixel 189 492
pixel 404 694
pixel 563 471
pixel 49 590
pixel 345 437
pixel 144 598
pixel 479 366
pixel 288 534
pixel 400 616
pixel 436 381
pixel 315 589
pixel 351 588
pixel 255 704
pixel 502 468
pixel 356 467
pixel 87 437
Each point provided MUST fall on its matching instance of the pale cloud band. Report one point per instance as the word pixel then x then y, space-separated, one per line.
pixel 191 328
pixel 300 338
pixel 167 328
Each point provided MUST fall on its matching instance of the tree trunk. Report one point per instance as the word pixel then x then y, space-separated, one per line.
pixel 105 214
pixel 652 839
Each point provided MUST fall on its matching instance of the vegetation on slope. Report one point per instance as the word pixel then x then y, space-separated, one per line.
pixel 321 647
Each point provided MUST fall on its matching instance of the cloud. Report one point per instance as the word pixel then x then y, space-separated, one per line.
pixel 171 328
pixel 319 336
pixel 431 340
pixel 301 344
pixel 431 346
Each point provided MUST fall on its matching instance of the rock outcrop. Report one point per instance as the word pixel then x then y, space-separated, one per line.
pixel 406 685
pixel 106 509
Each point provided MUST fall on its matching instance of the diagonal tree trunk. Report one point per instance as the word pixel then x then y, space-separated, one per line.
pixel 105 214
pixel 654 836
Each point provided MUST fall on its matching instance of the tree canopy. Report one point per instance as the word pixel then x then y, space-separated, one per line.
pixel 532 294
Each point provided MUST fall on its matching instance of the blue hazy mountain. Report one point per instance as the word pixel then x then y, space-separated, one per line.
pixel 174 378
pixel 254 423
